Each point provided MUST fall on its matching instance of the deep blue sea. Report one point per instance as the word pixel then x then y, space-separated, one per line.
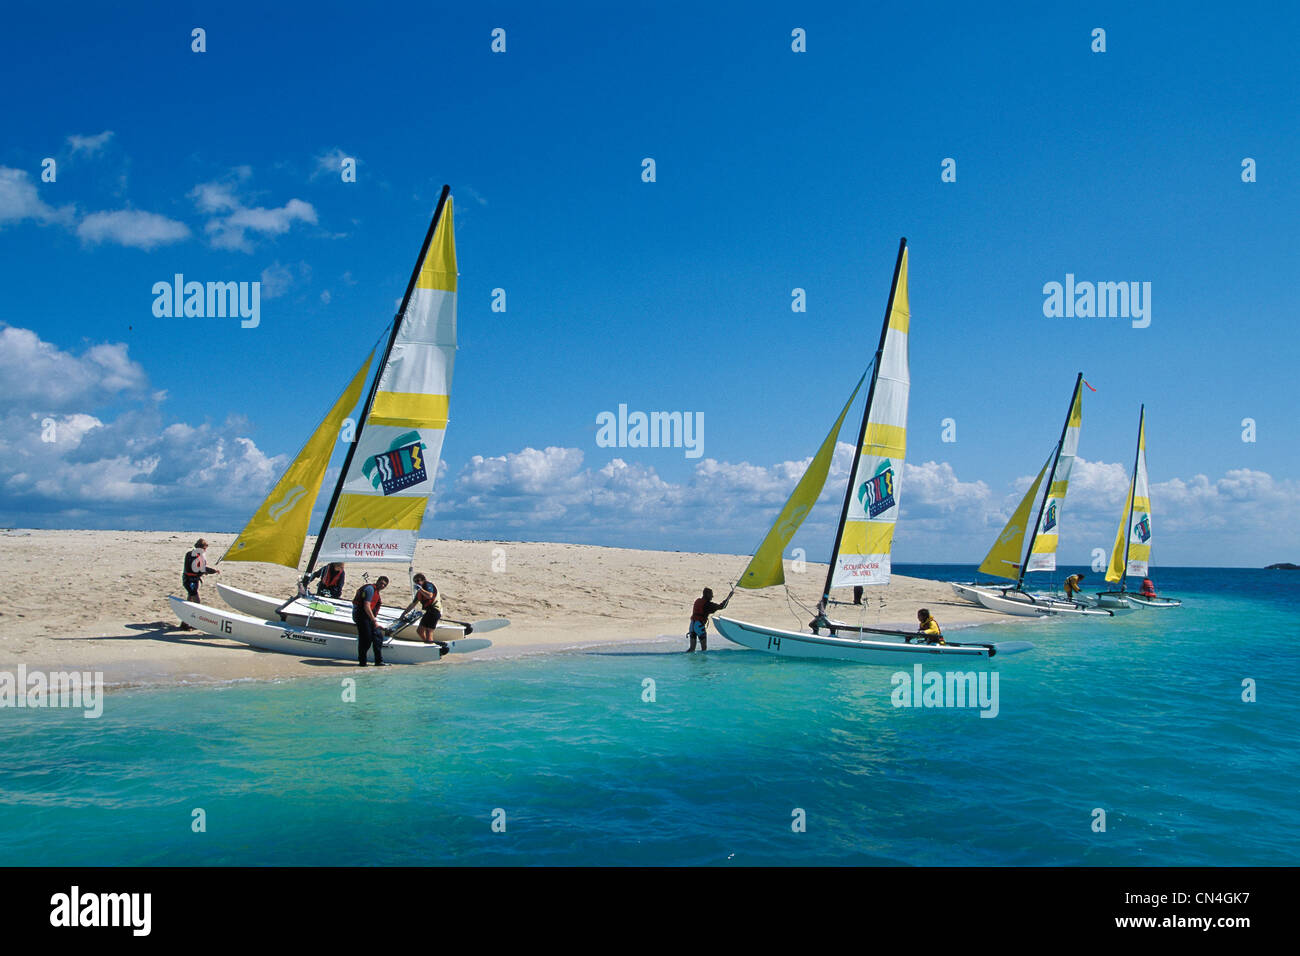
pixel 1141 717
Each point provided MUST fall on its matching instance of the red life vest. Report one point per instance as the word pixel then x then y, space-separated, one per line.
pixel 375 601
pixel 331 578
pixel 188 571
pixel 426 595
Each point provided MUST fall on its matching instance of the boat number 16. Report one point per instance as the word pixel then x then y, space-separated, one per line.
pixel 225 627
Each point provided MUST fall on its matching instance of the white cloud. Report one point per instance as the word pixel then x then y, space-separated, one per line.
pixel 89 144
pixel 37 375
pixel 20 199
pixel 131 227
pixel 276 280
pixel 330 163
pixel 233 225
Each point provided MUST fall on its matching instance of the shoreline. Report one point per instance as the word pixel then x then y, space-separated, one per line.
pixel 96 601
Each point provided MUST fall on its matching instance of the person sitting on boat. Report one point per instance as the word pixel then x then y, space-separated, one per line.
pixel 1148 589
pixel 700 611
pixel 365 606
pixel 196 566
pixel 929 631
pixel 331 577
pixel 426 595
pixel 1073 586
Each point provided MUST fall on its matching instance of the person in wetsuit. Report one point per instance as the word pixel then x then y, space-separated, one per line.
pixel 194 570
pixel 365 606
pixel 427 596
pixel 1073 586
pixel 700 611
pixel 331 577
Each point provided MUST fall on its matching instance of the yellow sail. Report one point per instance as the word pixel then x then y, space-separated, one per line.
pixel 765 568
pixel 386 488
pixel 1043 556
pixel 1003 559
pixel 275 533
pixel 1135 524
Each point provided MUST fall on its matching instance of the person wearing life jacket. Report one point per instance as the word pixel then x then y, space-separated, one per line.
pixel 1073 586
pixel 427 596
pixel 365 606
pixel 193 571
pixel 929 631
pixel 331 577
pixel 700 611
pixel 1148 589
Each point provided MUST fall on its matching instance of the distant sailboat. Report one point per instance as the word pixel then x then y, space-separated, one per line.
pixel 377 506
pixel 860 553
pixel 1005 560
pixel 1132 551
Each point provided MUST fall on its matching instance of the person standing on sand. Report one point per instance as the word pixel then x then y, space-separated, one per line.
pixel 700 611
pixel 365 605
pixel 196 566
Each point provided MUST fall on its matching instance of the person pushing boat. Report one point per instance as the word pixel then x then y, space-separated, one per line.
pixel 427 596
pixel 331 577
pixel 196 567
pixel 929 632
pixel 1073 586
pixel 700 611
pixel 365 605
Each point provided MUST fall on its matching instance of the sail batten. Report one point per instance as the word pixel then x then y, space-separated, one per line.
pixel 383 492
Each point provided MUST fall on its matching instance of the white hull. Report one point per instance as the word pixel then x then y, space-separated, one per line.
pixel 1134 599
pixel 323 613
pixel 304 642
pixel 971 592
pixel 880 648
pixel 1023 604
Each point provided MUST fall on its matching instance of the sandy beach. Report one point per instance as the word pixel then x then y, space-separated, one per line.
pixel 97 601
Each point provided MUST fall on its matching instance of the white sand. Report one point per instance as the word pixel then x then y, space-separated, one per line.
pixel 97 601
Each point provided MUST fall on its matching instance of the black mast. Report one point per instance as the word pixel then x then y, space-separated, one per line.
pixel 1051 480
pixel 374 386
pixel 1132 496
pixel 862 432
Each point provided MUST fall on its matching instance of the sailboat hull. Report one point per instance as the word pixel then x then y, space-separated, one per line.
pixel 881 649
pixel 306 642
pixel 322 614
pixel 1135 600
pixel 1023 604
pixel 971 592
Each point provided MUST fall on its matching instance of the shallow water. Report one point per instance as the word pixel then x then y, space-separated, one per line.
pixel 1141 716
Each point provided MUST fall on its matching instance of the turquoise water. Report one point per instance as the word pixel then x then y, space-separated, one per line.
pixel 1141 716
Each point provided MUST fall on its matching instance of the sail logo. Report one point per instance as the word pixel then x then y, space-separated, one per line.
pixel 786 529
pixel 1049 520
pixel 286 504
pixel 1143 529
pixel 877 493
pixel 1008 533
pixel 400 467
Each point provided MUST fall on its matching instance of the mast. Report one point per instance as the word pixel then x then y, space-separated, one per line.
pixel 374 386
pixel 1132 496
pixel 1051 480
pixel 862 432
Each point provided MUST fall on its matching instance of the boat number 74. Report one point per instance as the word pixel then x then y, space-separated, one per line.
pixel 774 642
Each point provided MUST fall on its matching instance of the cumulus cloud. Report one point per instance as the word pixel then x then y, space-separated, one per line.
pixel 131 227
pixel 89 145
pixel 20 199
pixel 36 374
pixel 234 225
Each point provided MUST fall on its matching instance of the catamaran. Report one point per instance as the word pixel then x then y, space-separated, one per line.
pixel 1010 559
pixel 860 554
pixel 1132 551
pixel 377 507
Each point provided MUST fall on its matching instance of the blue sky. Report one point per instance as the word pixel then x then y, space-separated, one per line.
pixel 775 170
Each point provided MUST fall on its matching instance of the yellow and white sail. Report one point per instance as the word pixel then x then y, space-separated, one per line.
pixel 1132 551
pixel 390 477
pixel 862 552
pixel 765 568
pixel 276 531
pixel 1004 558
pixel 1042 555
